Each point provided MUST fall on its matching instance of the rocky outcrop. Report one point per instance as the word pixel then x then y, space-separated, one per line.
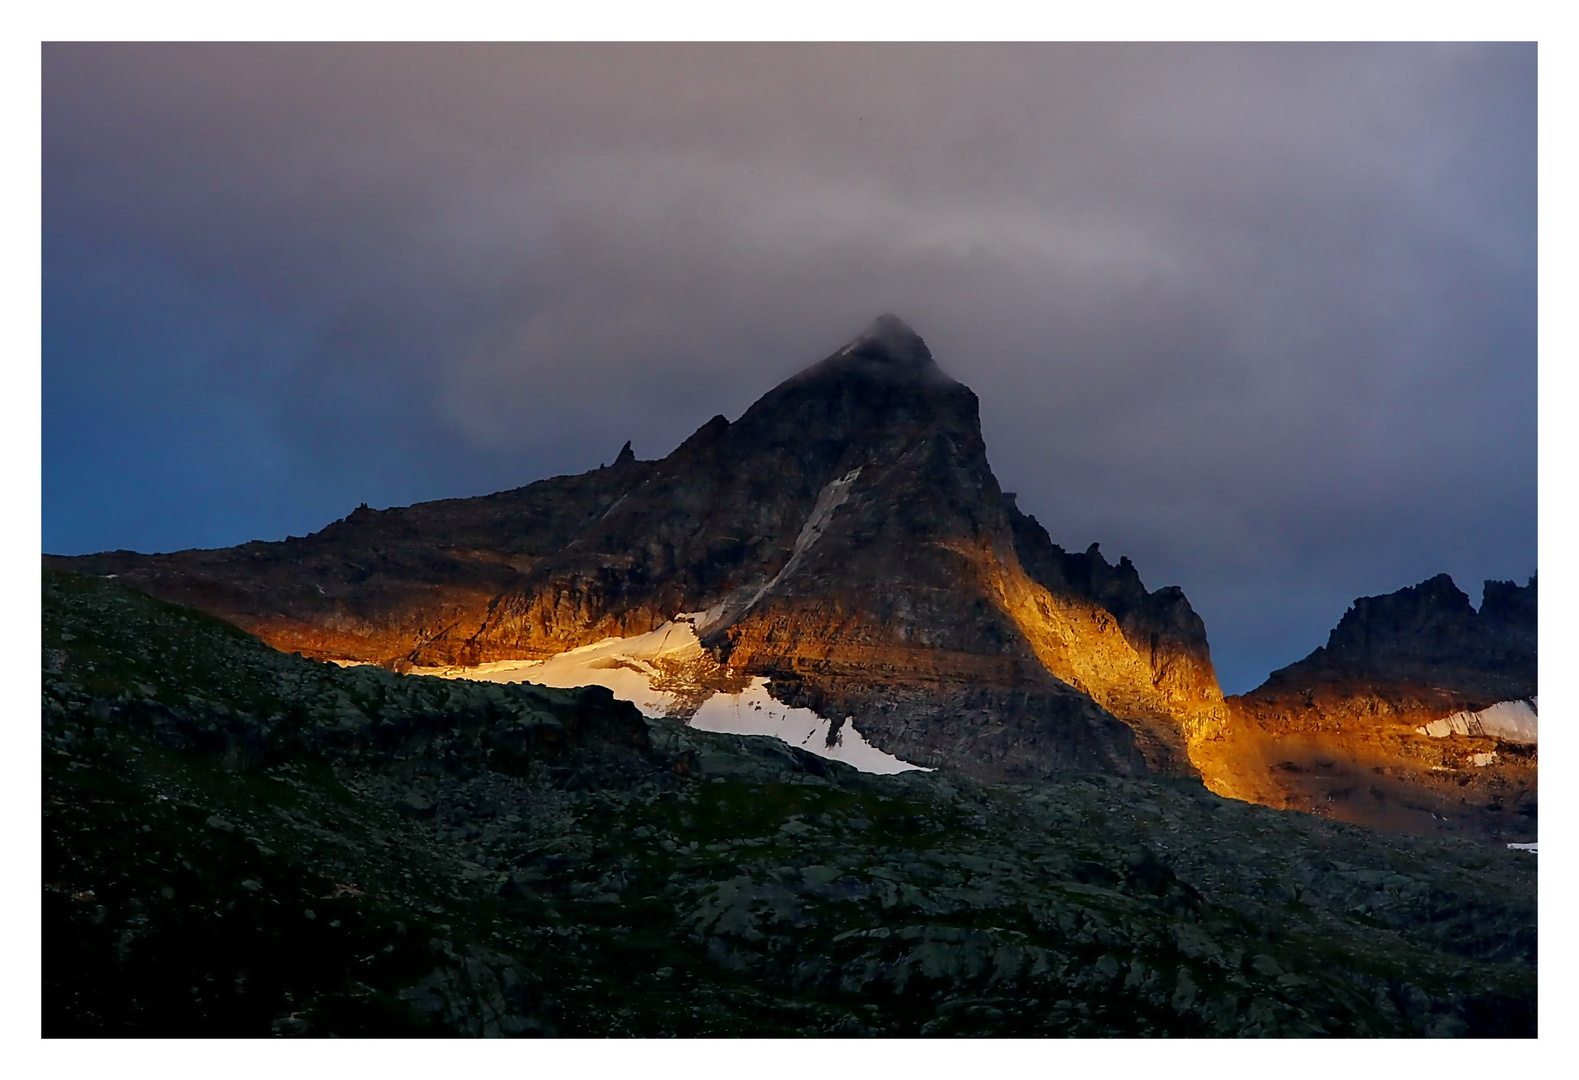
pixel 844 538
pixel 1349 731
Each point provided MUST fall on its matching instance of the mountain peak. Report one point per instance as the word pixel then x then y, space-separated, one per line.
pixel 890 338
pixel 890 328
pixel 887 351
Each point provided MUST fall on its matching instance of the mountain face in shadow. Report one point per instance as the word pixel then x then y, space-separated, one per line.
pixel 844 538
pixel 1407 719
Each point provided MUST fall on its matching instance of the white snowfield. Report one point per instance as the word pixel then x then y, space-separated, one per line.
pixel 1510 720
pixel 666 672
pixel 1531 848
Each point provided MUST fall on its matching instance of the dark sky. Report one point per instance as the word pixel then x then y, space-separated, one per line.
pixel 1262 318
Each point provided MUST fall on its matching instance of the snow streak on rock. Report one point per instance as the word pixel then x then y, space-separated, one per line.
pixel 833 495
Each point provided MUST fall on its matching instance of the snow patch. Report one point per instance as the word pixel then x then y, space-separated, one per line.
pixel 658 672
pixel 757 712
pixel 1524 847
pixel 627 666
pixel 1514 721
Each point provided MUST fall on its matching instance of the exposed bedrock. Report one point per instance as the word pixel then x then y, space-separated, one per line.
pixel 845 538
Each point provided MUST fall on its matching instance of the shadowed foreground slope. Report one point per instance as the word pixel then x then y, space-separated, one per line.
pixel 239 841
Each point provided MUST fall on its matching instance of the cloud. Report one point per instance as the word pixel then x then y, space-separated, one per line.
pixel 1261 317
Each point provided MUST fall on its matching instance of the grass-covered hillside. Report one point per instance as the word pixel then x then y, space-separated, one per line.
pixel 242 842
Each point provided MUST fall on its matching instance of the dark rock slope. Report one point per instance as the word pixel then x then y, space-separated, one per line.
pixel 1338 732
pixel 240 842
pixel 845 537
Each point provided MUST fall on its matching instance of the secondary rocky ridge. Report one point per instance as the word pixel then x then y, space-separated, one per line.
pixel 1352 730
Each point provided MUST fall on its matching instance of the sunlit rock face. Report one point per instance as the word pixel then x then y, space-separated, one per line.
pixel 1417 715
pixel 1142 655
pixel 844 540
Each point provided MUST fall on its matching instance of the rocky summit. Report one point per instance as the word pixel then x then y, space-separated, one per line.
pixel 845 539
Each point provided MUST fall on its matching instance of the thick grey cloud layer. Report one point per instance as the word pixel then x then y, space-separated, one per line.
pixel 1262 318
